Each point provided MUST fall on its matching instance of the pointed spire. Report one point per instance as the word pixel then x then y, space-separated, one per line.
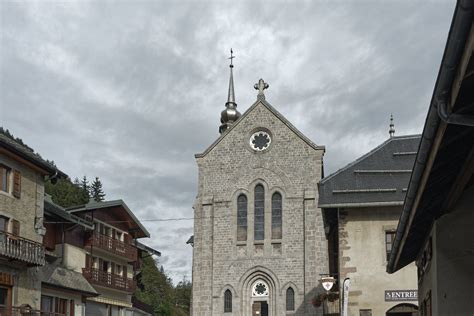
pixel 231 94
pixel 230 114
pixel 391 131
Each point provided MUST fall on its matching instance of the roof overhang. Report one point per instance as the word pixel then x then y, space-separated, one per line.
pixel 150 250
pixel 92 206
pixel 19 153
pixel 50 208
pixel 445 161
pixel 358 205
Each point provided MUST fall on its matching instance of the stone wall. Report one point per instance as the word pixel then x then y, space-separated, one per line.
pixel 27 209
pixel 362 258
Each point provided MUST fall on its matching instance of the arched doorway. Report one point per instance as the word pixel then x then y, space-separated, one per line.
pixel 259 289
pixel 403 309
pixel 260 295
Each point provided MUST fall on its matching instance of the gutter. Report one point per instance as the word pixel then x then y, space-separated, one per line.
pixel 459 32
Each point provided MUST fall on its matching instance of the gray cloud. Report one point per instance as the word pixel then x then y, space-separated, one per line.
pixel 129 91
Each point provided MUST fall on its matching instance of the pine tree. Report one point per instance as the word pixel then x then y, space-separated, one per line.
pixel 96 191
pixel 85 188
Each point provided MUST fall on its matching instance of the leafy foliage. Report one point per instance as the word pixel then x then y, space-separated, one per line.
pixel 155 288
pixel 65 193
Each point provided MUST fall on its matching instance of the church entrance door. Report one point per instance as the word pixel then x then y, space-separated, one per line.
pixel 260 308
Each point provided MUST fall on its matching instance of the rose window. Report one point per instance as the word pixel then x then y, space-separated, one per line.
pixel 260 141
pixel 260 288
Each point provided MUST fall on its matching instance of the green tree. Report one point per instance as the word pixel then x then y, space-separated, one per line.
pixel 183 295
pixel 155 288
pixel 85 188
pixel 96 191
pixel 65 193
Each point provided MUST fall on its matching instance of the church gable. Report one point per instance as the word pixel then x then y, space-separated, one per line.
pixel 259 114
pixel 261 144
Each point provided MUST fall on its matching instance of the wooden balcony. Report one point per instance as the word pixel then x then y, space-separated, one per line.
pixel 114 246
pixel 109 280
pixel 25 311
pixel 16 248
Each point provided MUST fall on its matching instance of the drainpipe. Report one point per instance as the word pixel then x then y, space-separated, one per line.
pixel 452 117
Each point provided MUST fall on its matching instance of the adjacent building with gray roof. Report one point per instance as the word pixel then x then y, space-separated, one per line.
pixel 361 204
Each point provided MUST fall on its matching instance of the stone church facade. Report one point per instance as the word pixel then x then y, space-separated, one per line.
pixel 259 242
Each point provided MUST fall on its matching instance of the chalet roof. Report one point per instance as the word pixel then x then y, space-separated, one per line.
pixel 67 279
pixel 29 155
pixel 150 250
pixel 110 205
pixel 52 209
pixel 378 178
pixel 444 164
pixel 246 113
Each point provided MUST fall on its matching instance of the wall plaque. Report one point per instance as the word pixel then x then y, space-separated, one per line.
pixel 401 295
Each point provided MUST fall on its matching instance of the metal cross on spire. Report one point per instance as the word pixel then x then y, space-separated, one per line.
pixel 231 57
pixel 391 131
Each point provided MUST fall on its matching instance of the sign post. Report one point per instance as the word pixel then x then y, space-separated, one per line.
pixel 345 295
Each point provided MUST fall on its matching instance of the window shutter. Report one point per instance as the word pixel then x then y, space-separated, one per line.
pixel 15 227
pixel 125 271
pixel 16 183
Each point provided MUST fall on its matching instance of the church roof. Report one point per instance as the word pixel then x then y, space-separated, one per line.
pixel 378 178
pixel 271 109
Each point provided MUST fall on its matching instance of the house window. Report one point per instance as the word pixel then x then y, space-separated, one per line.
pixel 3 223
pixel 290 299
pixel 51 305
pixel 276 215
pixel 47 303
pixel 119 235
pixel 242 218
pixel 365 312
pixel 389 237
pixel 259 209
pixel 227 301
pixel 5 177
pixel 118 270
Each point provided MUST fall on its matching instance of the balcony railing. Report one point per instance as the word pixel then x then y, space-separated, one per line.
pixel 21 249
pixel 25 311
pixel 114 246
pixel 102 278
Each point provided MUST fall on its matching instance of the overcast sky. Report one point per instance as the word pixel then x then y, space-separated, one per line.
pixel 130 91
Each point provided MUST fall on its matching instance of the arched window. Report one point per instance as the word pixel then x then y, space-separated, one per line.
pixel 290 299
pixel 242 218
pixel 259 208
pixel 276 215
pixel 227 301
